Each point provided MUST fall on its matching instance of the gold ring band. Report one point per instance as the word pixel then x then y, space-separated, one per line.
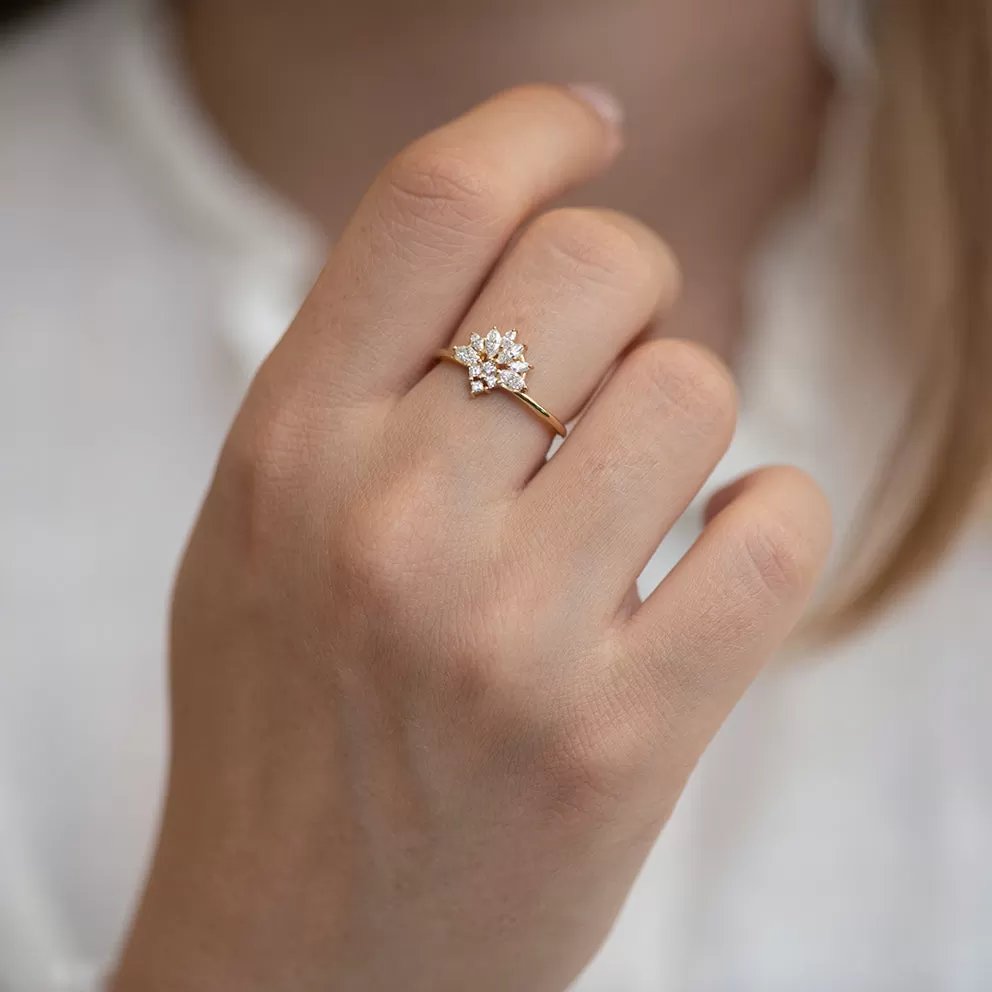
pixel 497 362
pixel 528 401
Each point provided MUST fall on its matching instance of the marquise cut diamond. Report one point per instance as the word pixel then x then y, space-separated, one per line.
pixel 512 381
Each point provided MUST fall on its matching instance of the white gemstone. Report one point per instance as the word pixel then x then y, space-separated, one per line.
pixel 475 371
pixel 510 353
pixel 478 344
pixel 491 381
pixel 520 367
pixel 466 356
pixel 476 386
pixel 493 341
pixel 510 380
pixel 510 336
pixel 487 368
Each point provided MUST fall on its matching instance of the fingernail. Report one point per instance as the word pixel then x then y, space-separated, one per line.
pixel 602 101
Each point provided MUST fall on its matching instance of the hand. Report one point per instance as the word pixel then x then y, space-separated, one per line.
pixel 424 731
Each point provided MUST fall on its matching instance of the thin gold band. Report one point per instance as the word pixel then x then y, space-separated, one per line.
pixel 447 355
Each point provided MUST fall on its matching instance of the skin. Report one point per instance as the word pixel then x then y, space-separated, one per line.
pixel 723 102
pixel 424 731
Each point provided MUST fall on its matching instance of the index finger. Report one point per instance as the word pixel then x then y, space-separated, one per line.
pixel 426 235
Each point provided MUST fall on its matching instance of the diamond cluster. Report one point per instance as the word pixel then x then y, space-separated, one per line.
pixel 494 361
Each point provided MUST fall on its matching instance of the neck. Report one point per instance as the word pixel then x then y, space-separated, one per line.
pixel 723 104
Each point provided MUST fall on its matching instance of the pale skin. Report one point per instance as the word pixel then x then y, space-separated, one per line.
pixel 723 103
pixel 424 730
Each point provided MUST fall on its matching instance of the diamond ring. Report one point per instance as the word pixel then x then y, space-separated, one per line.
pixel 497 361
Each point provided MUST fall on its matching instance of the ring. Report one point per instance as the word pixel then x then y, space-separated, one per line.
pixel 497 361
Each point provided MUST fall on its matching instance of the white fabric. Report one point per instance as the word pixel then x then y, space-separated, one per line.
pixel 838 836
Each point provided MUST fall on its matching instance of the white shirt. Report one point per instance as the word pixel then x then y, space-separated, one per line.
pixel 838 835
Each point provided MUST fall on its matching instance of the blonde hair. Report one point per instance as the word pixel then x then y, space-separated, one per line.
pixel 932 170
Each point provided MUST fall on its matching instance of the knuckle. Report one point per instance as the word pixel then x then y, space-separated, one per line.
pixel 595 246
pixel 375 554
pixel 585 788
pixel 430 187
pixel 370 559
pixel 274 443
pixel 594 754
pixel 261 480
pixel 387 543
pixel 690 381
pixel 267 450
pixel 778 560
pixel 588 778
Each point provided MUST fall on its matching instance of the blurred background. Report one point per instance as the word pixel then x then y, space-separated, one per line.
pixel 172 176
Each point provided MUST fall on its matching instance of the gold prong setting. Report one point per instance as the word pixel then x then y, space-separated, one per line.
pixel 496 361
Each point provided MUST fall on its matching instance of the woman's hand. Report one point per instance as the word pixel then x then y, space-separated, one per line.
pixel 424 731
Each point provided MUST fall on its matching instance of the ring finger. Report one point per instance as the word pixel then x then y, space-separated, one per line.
pixel 578 288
